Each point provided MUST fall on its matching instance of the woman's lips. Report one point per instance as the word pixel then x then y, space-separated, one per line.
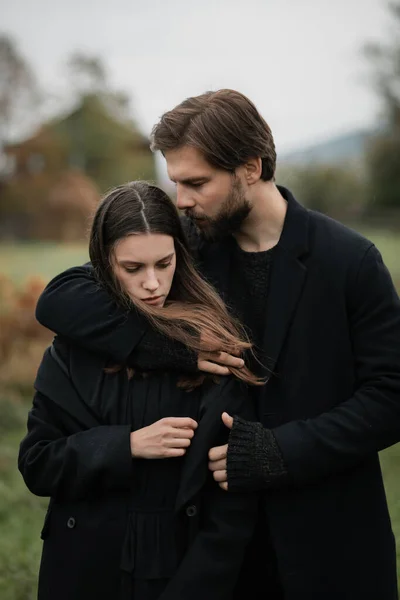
pixel 155 300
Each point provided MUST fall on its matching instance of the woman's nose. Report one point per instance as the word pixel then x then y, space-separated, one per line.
pixel 151 283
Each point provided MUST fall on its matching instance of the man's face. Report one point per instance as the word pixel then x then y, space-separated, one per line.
pixel 213 198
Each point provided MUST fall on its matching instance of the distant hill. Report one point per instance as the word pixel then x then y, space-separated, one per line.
pixel 336 150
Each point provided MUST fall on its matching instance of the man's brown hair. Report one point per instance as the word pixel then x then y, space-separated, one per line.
pixel 224 126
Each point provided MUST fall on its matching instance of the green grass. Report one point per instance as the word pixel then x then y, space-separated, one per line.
pixel 21 513
pixel 21 260
pixel 390 461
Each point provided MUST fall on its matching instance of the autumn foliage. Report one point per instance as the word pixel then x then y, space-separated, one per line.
pixel 22 338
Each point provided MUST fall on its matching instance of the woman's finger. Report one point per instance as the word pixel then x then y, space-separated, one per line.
pixel 182 433
pixel 174 452
pixel 178 443
pixel 180 422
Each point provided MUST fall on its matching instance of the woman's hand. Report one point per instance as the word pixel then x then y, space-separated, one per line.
pixel 166 438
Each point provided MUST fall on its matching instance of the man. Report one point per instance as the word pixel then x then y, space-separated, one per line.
pixel 325 319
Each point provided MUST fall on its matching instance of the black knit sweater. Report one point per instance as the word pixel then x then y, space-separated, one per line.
pixel 254 459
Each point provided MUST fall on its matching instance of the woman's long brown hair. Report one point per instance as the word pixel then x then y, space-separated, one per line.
pixel 193 312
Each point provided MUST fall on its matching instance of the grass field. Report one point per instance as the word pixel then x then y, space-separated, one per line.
pixel 47 259
pixel 21 513
pixel 19 261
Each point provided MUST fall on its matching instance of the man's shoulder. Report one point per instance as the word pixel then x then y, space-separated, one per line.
pixel 334 237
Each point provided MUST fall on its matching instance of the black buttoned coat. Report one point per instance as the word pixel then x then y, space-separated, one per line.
pixel 128 528
pixel 332 350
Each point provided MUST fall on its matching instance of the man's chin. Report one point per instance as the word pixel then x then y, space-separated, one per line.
pixel 213 234
pixel 204 227
pixel 216 230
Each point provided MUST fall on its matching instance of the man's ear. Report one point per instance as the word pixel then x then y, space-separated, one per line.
pixel 252 170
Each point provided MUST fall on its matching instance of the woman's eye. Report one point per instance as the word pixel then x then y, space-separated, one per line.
pixel 133 270
pixel 165 265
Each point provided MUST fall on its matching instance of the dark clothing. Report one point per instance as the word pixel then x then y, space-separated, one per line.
pixel 128 528
pixel 332 401
pixel 247 298
pixel 248 290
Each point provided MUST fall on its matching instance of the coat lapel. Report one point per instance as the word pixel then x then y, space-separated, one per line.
pixel 195 467
pixel 229 395
pixel 288 274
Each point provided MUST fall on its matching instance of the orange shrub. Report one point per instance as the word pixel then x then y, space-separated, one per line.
pixel 22 338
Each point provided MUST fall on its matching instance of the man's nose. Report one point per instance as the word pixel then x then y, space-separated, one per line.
pixel 183 199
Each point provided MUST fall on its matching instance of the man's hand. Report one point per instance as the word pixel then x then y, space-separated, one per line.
pixel 217 363
pixel 212 360
pixel 218 455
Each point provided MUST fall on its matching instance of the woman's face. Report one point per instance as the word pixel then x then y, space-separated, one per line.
pixel 144 264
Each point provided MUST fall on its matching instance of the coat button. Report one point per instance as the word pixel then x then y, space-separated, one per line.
pixel 191 510
pixel 71 523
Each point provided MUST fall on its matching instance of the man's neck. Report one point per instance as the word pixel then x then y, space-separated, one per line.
pixel 263 227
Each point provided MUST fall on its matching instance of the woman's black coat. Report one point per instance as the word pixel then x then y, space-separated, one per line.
pixel 77 451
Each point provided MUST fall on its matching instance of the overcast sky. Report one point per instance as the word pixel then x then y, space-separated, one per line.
pixel 298 60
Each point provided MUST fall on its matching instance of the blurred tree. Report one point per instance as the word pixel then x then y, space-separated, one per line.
pixel 96 141
pixel 333 190
pixel 383 159
pixel 383 153
pixel 87 142
pixel 87 73
pixel 88 76
pixel 94 130
pixel 19 93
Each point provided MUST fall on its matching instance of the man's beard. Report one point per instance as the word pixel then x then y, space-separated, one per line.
pixel 234 210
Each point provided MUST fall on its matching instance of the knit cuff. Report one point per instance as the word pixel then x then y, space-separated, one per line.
pixel 254 460
pixel 157 351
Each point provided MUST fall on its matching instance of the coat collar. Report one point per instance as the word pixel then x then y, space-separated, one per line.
pixel 287 278
pixel 53 380
pixel 295 233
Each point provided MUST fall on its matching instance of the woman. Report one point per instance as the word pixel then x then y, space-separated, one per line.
pixel 134 513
